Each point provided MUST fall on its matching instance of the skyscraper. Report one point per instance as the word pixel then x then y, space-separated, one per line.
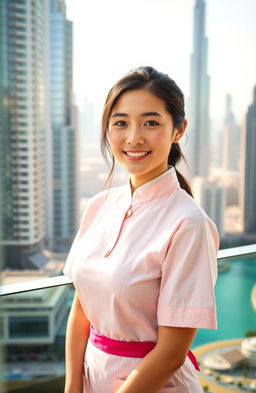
pixel 22 131
pixel 198 104
pixel 232 136
pixel 248 170
pixel 38 141
pixel 61 161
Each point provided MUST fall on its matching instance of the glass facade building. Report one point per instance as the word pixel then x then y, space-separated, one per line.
pixel 62 222
pixel 38 139
pixel 22 130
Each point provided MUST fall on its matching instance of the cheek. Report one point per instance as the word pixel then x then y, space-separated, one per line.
pixel 161 138
pixel 114 140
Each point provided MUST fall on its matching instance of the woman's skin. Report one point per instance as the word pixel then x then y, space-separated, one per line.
pixel 133 130
pixel 155 369
pixel 77 333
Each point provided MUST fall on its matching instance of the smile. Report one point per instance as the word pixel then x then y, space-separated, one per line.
pixel 136 155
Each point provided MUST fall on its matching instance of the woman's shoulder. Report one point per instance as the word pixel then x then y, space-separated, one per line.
pixel 192 218
pixel 189 209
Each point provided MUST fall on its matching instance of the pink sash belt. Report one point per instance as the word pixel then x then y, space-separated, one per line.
pixel 132 349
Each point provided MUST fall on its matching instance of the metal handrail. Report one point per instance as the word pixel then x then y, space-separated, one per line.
pixel 56 281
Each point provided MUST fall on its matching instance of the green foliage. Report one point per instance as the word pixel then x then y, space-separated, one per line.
pixel 250 333
pixel 245 363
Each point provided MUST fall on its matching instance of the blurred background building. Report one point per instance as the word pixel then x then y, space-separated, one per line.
pixel 37 330
pixel 231 139
pixel 61 159
pixel 22 112
pixel 39 160
pixel 42 161
pixel 198 104
pixel 248 172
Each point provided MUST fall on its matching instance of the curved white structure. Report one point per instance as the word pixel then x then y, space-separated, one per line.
pixel 248 349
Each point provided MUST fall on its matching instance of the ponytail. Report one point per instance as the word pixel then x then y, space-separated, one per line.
pixel 174 157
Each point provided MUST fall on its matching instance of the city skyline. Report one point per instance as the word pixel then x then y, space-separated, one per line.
pixel 39 131
pixel 162 37
pixel 215 181
pixel 56 112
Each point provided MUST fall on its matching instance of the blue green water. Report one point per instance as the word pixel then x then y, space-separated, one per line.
pixel 233 298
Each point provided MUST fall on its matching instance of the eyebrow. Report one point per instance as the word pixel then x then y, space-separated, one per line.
pixel 143 114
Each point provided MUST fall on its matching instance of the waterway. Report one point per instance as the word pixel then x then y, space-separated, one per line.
pixel 235 313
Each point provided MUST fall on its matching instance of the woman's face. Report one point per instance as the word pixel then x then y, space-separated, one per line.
pixel 141 133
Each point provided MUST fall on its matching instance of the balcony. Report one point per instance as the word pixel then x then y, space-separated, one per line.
pixel 35 313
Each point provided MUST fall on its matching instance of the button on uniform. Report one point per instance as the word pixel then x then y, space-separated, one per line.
pixel 129 213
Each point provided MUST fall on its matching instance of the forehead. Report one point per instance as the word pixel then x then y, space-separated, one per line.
pixel 139 101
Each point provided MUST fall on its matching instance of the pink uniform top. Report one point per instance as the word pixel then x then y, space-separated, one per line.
pixel 139 261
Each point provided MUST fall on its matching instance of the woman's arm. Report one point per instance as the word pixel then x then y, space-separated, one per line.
pixel 77 333
pixel 154 370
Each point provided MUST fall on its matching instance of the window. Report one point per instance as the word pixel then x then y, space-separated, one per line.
pixel 28 326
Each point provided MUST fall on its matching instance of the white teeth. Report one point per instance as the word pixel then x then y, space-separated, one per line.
pixel 136 154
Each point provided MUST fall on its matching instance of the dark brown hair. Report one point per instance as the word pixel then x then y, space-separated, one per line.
pixel 162 86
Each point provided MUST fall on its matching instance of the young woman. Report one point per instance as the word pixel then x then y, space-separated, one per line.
pixel 143 262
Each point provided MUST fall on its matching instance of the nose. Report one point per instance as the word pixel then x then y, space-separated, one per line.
pixel 134 136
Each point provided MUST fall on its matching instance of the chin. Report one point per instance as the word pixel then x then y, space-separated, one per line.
pixel 136 172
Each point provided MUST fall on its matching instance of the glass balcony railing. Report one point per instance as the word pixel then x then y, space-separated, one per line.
pixel 34 316
pixel 32 334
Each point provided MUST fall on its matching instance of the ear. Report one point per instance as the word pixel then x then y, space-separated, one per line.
pixel 178 132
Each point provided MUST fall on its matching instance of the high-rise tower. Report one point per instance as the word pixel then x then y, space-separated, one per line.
pixel 198 111
pixel 22 131
pixel 61 152
pixel 248 170
pixel 232 136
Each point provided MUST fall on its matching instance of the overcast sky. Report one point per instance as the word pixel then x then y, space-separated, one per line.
pixel 112 37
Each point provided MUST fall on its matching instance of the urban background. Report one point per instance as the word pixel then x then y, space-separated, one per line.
pixel 58 60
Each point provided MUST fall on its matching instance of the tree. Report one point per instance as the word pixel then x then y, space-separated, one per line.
pixel 245 363
pixel 250 333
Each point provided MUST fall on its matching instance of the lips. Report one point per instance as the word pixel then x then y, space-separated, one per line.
pixel 137 153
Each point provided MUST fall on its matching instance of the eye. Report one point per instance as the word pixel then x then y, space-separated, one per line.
pixel 120 123
pixel 151 123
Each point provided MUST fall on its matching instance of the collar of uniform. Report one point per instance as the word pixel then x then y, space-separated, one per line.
pixel 162 185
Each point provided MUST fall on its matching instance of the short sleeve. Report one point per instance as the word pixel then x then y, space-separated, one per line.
pixel 67 270
pixel 189 274
pixel 87 218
